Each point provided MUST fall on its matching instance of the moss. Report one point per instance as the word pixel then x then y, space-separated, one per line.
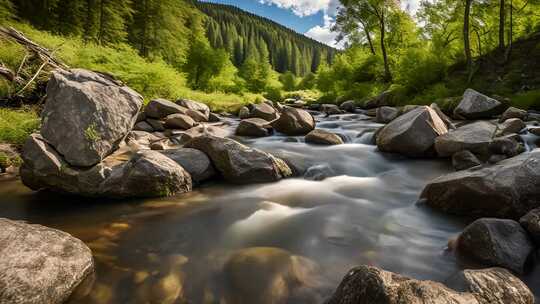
pixel 91 133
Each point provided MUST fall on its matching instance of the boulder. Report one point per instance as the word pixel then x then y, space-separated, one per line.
pixel 86 115
pixel 40 264
pixel 531 223
pixel 264 111
pixel 475 105
pixel 244 113
pixel 508 189
pixel 213 117
pixel 294 122
pixel 147 174
pixel 255 127
pixel 449 124
pixel 474 137
pixel 143 126
pixel 195 162
pixel 386 114
pixel 157 125
pixel 384 99
pixel 179 121
pixel 330 109
pixel 161 108
pixel 195 106
pixel 506 145
pixel 513 113
pixel 370 285
pixel 510 126
pixel 322 137
pixel 266 275
pixel 464 160
pixel 238 163
pixel 534 131
pixel 492 286
pixel 348 106
pixel 197 116
pixel 412 134
pixel 494 242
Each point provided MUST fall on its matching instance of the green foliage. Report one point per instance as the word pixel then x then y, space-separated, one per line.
pixel 6 10
pixel 288 80
pixel 418 68
pixel 308 82
pixel 526 100
pixel 16 125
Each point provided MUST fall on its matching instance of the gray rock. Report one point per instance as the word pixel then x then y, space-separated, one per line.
pixel 195 162
pixel 322 137
pixel 157 125
pixel 449 124
pixel 161 108
pixel 370 285
pixel 197 116
pixel 264 111
pixel 474 137
pixel 195 106
pixel 143 126
pixel 179 121
pixel 464 160
pixel 147 174
pixel 475 105
pixel 244 113
pixel 331 109
pixel 412 134
pixel 492 286
pixel 510 126
pixel 535 131
pixel 508 189
pixel 213 117
pixel 319 172
pixel 348 106
pixel 531 223
pixel 386 114
pixel 294 122
pixel 494 242
pixel 255 127
pixel 495 158
pixel 513 113
pixel 40 264
pixel 86 115
pixel 238 163
pixel 506 145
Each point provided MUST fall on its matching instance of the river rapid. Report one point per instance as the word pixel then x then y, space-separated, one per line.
pixel 172 250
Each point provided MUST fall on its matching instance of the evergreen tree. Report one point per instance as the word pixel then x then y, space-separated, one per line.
pixel 6 9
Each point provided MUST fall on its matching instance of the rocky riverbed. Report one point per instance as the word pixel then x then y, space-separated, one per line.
pixel 280 207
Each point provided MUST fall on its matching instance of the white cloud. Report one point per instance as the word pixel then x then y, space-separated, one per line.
pixel 304 8
pixel 324 33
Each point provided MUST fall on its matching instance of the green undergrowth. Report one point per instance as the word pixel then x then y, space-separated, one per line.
pixel 16 125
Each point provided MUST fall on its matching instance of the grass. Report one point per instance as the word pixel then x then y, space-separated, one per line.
pixel 17 125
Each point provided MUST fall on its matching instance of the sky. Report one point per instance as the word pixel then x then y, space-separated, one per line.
pixel 313 18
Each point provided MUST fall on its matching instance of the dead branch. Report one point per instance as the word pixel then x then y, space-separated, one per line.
pixel 32 46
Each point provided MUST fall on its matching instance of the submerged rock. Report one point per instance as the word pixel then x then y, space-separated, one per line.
pixel 508 189
pixel 238 163
pixel 266 275
pixel 412 134
pixel 474 137
pixel 322 137
pixel 86 115
pixel 475 105
pixel 255 127
pixel 40 264
pixel 494 242
pixel 294 122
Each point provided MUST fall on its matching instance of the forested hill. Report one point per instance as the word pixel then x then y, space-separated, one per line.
pixel 246 35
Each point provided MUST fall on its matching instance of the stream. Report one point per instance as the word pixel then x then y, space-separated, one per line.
pixel 172 250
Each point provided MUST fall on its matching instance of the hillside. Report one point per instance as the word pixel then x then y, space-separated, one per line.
pixel 244 34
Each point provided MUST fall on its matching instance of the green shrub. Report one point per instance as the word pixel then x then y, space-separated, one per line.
pixel 527 100
pixel 16 125
pixel 419 68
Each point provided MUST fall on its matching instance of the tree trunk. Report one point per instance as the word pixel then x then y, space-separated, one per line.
pixel 466 38
pixel 369 40
pixel 387 74
pixel 501 24
pixel 510 33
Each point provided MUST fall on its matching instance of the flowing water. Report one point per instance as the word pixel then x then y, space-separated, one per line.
pixel 173 250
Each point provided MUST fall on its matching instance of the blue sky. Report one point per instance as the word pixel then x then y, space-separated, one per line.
pixel 313 18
